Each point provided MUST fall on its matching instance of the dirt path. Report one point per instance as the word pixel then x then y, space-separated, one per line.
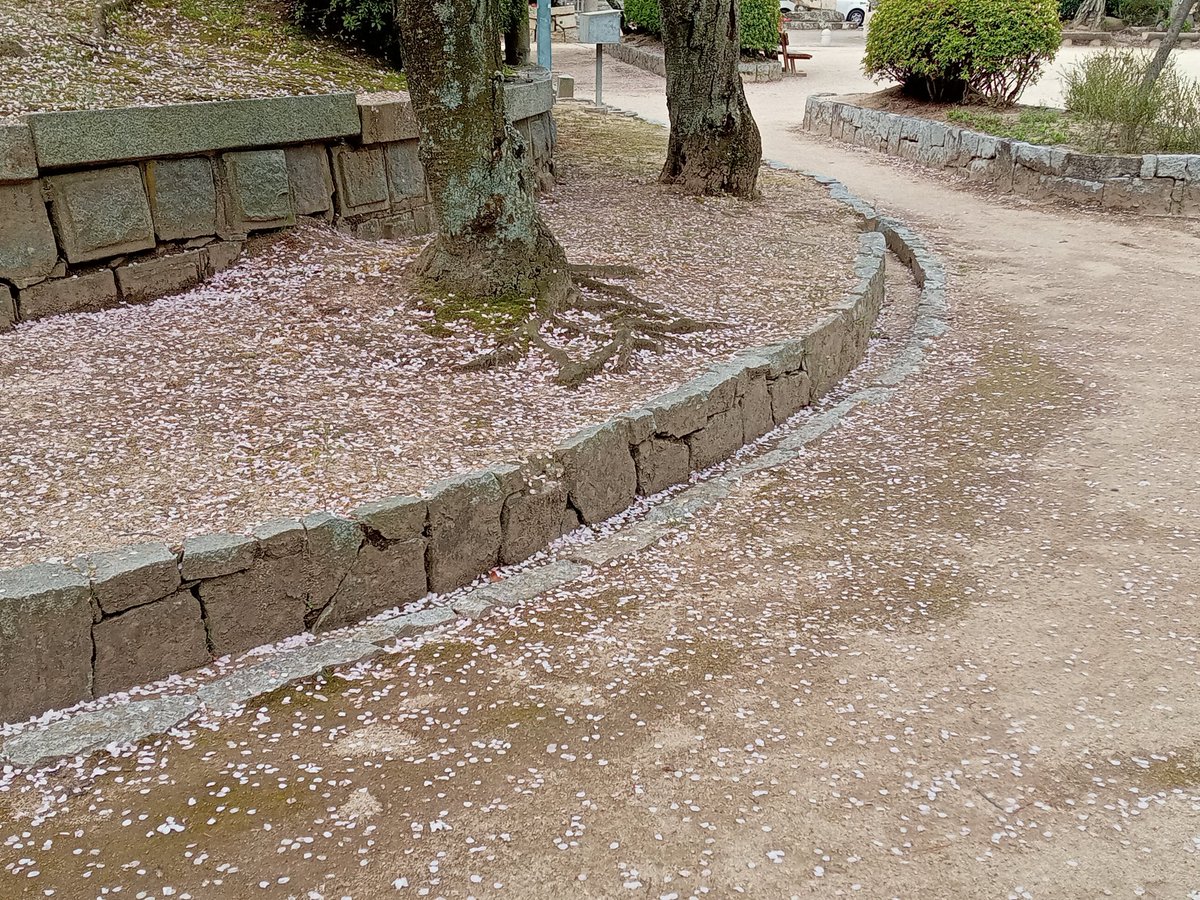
pixel 950 651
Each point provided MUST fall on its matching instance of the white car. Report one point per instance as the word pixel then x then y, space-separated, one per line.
pixel 853 11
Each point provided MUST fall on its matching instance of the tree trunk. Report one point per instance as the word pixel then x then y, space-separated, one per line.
pixel 491 241
pixel 714 146
pixel 1089 15
pixel 1178 19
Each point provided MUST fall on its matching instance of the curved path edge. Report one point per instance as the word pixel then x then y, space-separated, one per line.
pixel 828 352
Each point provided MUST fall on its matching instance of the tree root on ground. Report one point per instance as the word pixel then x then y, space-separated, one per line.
pixel 619 319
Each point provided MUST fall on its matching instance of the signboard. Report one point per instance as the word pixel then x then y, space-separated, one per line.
pixel 602 27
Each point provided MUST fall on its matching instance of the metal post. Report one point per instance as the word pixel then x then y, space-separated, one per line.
pixel 600 75
pixel 543 34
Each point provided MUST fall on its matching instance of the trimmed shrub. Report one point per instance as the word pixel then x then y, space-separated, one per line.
pixel 644 15
pixel 368 25
pixel 949 50
pixel 759 22
pixel 1104 96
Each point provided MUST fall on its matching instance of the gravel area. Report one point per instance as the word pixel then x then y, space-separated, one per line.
pixel 307 377
pixel 53 56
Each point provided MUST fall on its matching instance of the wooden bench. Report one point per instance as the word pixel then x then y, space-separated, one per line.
pixel 789 57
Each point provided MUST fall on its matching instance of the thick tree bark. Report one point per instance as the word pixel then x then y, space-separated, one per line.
pixel 1089 15
pixel 715 147
pixel 491 241
pixel 1178 19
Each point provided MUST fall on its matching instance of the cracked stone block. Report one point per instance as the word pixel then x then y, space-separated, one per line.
pixel 261 605
pixel 789 395
pixel 183 197
pixel 95 290
pixel 1088 167
pixel 362 180
pixel 718 440
pixel 1149 196
pixel 599 471
pixel 280 537
pixel 661 463
pixel 45 639
pixel 394 518
pixel 332 546
pixel 689 407
pixel 255 192
pixel 384 575
pixel 17 161
pixel 406 175
pixel 823 353
pixel 101 213
pixel 133 576
pixel 757 419
pixel 214 555
pixel 153 278
pixel 149 643
pixel 28 252
pixel 312 183
pixel 220 256
pixel 385 121
pixel 464 529
pixel 532 519
pixel 8 309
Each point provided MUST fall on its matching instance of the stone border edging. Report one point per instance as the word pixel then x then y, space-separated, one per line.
pixel 656 64
pixel 86 731
pixel 1151 184
pixel 118 618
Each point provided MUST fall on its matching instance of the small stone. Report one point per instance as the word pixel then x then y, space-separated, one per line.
pixel 153 278
pixel 599 471
pixel 718 440
pixel 101 213
pixel 280 537
pixel 661 463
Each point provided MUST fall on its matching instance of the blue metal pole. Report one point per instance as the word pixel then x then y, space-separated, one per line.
pixel 543 34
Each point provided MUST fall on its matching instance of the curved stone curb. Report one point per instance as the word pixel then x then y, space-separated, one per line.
pixel 118 618
pixel 1152 184
pixel 83 732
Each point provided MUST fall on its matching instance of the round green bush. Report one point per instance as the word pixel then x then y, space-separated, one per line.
pixel 644 15
pixel 949 50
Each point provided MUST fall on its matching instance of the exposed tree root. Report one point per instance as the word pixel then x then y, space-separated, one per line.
pixel 623 323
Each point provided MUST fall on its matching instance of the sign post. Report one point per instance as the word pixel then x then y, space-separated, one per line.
pixel 600 28
pixel 543 34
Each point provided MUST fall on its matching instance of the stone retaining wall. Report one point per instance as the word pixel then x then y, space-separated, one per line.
pixel 1155 185
pixel 101 207
pixel 652 60
pixel 110 620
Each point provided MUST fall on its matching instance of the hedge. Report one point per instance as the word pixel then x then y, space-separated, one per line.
pixel 759 21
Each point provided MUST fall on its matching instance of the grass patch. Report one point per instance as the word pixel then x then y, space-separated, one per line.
pixel 1034 124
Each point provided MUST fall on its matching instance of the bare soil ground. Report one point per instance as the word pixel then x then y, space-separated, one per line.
pixel 309 377
pixel 52 55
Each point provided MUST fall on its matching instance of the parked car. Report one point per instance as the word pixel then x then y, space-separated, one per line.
pixel 853 11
